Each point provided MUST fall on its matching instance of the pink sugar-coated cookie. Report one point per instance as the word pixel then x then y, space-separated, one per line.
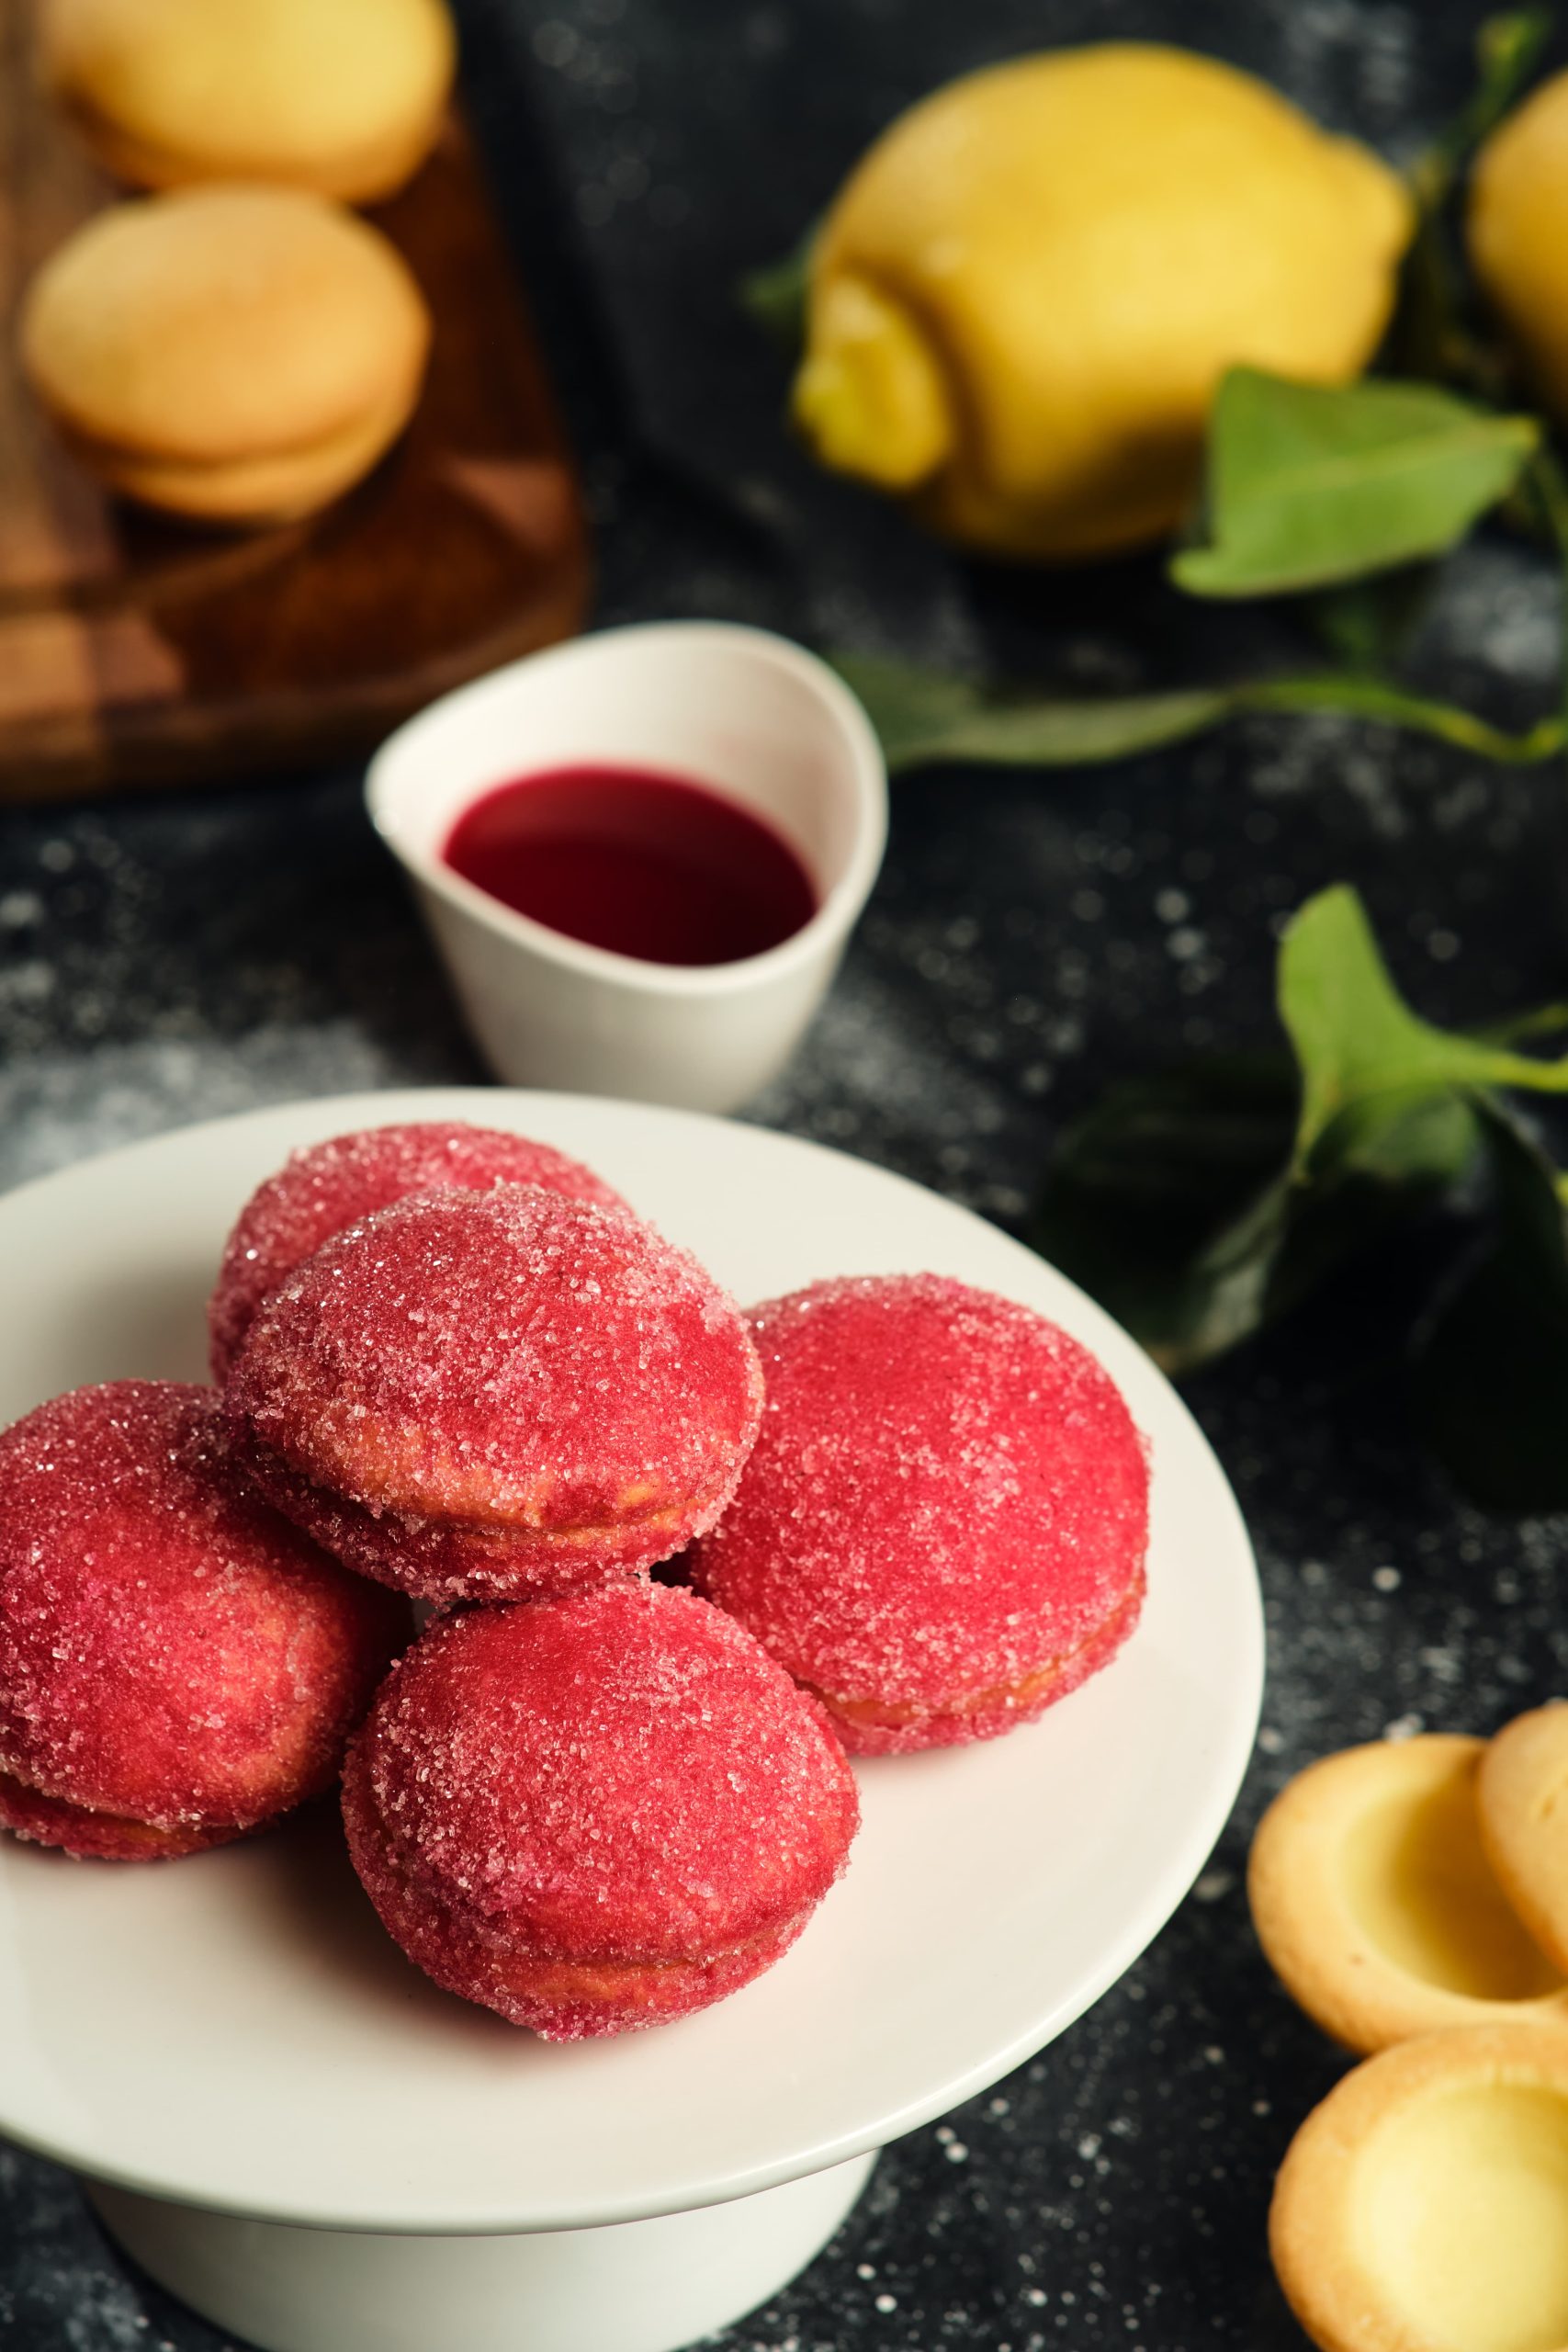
pixel 178 1662
pixel 493 1395
pixel 941 1527
pixel 595 1812
pixel 326 1186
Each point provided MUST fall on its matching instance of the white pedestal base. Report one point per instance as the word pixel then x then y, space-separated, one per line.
pixel 636 2287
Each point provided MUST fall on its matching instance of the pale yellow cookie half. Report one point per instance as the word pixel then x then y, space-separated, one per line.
pixel 274 489
pixel 1521 1798
pixel 1374 1902
pixel 341 96
pixel 1423 2207
pixel 237 352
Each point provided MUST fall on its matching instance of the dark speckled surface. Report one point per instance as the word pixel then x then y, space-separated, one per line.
pixel 175 958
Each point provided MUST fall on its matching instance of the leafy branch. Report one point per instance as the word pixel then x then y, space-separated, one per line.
pixel 923 716
pixel 1332 494
pixel 1309 488
pixel 1309 485
pixel 1203 1204
pixel 1431 336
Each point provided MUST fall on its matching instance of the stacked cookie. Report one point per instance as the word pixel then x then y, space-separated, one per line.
pixel 342 98
pixel 1412 1897
pixel 238 348
pixel 886 1513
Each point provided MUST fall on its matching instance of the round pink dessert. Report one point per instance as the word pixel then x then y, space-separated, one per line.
pixel 941 1527
pixel 489 1396
pixel 178 1662
pixel 326 1186
pixel 598 1812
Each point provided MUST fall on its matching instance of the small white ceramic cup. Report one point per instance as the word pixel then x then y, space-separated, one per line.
pixel 749 715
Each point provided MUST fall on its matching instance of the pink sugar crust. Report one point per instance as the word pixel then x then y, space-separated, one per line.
pixel 325 1186
pixel 595 1812
pixel 941 1527
pixel 492 1395
pixel 94 1836
pixel 178 1662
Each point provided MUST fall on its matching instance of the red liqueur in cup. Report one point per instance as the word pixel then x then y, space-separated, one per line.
pixel 648 865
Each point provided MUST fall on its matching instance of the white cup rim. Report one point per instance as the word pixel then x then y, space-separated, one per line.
pixel 841 903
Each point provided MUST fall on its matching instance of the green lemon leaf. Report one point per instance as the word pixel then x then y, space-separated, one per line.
pixel 1174 1201
pixel 1313 484
pixel 1492 1368
pixel 921 716
pixel 1364 1056
pixel 1159 1172
pixel 1203 1204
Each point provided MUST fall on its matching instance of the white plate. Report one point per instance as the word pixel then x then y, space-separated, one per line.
pixel 235 2031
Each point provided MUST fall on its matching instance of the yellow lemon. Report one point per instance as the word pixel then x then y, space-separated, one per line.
pixel 1518 232
pixel 1025 295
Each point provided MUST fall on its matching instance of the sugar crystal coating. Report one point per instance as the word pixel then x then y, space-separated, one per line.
pixel 595 1811
pixel 941 1527
pixel 488 1395
pixel 325 1186
pixel 178 1662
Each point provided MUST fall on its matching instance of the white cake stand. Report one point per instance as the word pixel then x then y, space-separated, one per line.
pixel 289 2127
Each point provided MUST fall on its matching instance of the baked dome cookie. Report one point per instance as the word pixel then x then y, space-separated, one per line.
pixel 941 1527
pixel 178 1662
pixel 595 1812
pixel 488 1395
pixel 1522 1802
pixel 239 354
pixel 1376 1906
pixel 325 1186
pixel 341 96
pixel 1423 2207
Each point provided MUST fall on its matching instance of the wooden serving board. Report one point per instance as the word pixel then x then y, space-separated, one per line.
pixel 135 650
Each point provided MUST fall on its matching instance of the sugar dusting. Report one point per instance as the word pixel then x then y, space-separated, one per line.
pixel 326 1186
pixel 946 1496
pixel 616 1781
pixel 485 1394
pixel 255 975
pixel 171 1651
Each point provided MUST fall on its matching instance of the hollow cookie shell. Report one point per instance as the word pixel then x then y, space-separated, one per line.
pixel 341 96
pixel 1423 2207
pixel 487 1395
pixel 325 1186
pixel 237 353
pixel 178 1662
pixel 942 1526
pixel 595 1812
pixel 1375 1904
pixel 1521 1801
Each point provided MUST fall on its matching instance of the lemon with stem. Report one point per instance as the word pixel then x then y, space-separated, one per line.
pixel 1023 301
